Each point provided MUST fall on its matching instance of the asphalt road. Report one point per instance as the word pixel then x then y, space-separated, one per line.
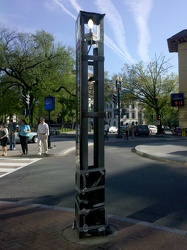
pixel 136 187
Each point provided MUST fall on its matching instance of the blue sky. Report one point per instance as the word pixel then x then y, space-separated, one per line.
pixel 135 30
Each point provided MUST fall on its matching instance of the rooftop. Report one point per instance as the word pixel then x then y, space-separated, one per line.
pixel 173 41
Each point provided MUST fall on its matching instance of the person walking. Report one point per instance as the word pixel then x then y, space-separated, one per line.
pixel 43 133
pixel 106 130
pixel 132 130
pixel 126 132
pixel 4 138
pixel 24 130
pixel 12 134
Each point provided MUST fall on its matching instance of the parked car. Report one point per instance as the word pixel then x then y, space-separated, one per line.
pixel 141 130
pixel 113 129
pixel 32 137
pixel 55 129
pixel 152 129
pixel 176 131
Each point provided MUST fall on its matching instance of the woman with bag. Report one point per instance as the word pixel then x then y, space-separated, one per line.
pixel 4 138
pixel 24 131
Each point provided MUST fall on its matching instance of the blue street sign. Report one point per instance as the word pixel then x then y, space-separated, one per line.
pixel 49 103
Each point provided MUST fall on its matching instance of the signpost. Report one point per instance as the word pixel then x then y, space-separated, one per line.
pixel 49 105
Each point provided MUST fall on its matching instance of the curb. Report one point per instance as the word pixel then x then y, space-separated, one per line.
pixel 61 153
pixel 157 158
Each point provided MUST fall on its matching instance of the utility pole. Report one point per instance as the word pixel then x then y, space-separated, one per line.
pixel 118 87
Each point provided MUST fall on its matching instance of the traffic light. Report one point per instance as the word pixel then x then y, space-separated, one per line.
pixel 27 99
pixel 115 99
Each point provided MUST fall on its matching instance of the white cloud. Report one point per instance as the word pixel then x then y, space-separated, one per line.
pixel 117 27
pixel 141 10
pixel 112 45
pixel 119 45
pixel 75 5
pixel 64 9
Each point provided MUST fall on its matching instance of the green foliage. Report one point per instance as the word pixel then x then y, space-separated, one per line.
pixel 109 88
pixel 9 104
pixel 149 84
pixel 34 63
pixel 67 113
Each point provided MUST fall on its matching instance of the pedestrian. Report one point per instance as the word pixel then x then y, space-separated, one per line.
pixel 4 138
pixel 24 130
pixel 43 133
pixel 12 134
pixel 132 130
pixel 106 130
pixel 126 132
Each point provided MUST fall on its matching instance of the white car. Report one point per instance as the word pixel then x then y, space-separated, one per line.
pixel 32 137
pixel 152 129
pixel 113 129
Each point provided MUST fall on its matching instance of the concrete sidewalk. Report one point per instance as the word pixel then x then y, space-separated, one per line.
pixel 172 151
pixel 42 227
pixel 58 148
pixel 26 226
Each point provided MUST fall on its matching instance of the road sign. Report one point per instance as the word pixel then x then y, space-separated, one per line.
pixel 49 103
pixel 177 99
pixel 27 119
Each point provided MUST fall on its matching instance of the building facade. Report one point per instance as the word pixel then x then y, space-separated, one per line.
pixel 132 113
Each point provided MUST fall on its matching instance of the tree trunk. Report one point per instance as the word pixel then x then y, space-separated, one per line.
pixel 159 126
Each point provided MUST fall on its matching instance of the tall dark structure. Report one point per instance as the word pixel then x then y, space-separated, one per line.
pixel 118 87
pixel 90 178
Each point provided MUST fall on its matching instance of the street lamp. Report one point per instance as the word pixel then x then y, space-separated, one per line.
pixel 118 87
pixel 90 24
pixel 90 217
pixel 91 37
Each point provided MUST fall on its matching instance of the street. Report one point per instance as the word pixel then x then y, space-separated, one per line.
pixel 145 189
pixel 136 187
pixel 9 165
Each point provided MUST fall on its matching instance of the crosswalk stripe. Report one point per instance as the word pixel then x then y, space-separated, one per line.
pixel 10 165
pixel 4 170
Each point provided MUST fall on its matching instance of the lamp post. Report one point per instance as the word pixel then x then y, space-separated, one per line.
pixel 90 218
pixel 118 87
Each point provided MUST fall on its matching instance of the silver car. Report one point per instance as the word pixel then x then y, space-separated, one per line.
pixel 32 137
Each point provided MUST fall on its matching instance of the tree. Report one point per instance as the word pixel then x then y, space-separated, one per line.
pixel 149 84
pixel 34 63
